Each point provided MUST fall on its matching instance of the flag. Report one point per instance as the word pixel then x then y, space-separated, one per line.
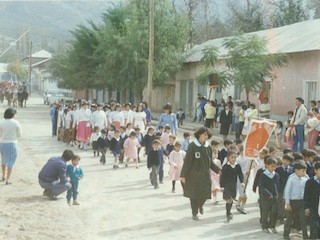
pixel 260 131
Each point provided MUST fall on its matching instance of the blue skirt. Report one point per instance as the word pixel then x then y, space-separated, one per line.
pixel 8 153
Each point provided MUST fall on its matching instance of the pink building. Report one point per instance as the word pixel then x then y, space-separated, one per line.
pixel 301 78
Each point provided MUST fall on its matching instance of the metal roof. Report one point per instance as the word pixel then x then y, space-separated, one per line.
pixel 298 37
pixel 41 54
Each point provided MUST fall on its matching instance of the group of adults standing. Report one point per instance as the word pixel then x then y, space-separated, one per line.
pixel 233 115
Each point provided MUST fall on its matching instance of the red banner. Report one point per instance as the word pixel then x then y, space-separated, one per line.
pixel 258 136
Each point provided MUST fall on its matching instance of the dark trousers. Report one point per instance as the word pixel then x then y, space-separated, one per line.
pixel 73 192
pixel 297 209
pixel 161 172
pixel 238 129
pixel 314 225
pixel 103 155
pixel 281 205
pixel 268 212
pixel 196 204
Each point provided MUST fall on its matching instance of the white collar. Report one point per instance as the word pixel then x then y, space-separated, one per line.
pixel 197 143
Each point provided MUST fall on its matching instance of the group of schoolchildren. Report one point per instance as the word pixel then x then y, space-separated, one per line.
pixel 288 187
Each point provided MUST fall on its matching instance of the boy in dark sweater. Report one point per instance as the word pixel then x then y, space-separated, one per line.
pixel 311 202
pixel 154 161
pixel 284 171
pixel 103 144
pixel 268 191
pixel 224 152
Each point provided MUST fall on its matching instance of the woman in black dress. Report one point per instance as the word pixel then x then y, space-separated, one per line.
pixel 195 173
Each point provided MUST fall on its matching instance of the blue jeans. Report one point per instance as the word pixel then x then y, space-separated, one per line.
pixel 55 187
pixel 73 191
pixel 298 139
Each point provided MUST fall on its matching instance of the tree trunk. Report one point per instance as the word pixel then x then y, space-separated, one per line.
pixel 247 94
pixel 87 94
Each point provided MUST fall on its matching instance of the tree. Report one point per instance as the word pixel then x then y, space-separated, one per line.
pixel 76 68
pixel 249 62
pixel 123 48
pixel 288 12
pixel 314 6
pixel 16 68
pixel 246 17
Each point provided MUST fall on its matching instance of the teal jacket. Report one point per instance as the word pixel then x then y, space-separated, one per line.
pixel 74 173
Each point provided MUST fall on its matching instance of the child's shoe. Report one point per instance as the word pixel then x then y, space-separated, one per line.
pixel 273 230
pixel 75 202
pixel 69 203
pixel 266 230
pixel 242 211
pixel 238 208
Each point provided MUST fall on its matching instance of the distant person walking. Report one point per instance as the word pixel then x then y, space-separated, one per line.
pixel 10 131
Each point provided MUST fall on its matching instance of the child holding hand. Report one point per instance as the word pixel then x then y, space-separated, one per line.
pixel 75 173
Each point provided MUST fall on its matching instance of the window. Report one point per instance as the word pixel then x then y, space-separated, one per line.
pixel 311 92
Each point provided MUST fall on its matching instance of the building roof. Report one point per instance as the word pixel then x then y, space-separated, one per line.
pixel 294 38
pixel 42 54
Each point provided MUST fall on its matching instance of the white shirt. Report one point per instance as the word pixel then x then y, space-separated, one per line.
pixel 60 122
pixel 117 116
pixel 99 119
pixel 76 117
pixel 84 115
pixel 264 107
pixel 67 120
pixel 10 131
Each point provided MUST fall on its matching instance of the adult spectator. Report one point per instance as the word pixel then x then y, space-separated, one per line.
pixel 264 108
pixel 297 123
pixel 52 177
pixel 168 118
pixel 225 121
pixel 195 173
pixel 147 110
pixel 312 127
pixel 210 110
pixel 10 131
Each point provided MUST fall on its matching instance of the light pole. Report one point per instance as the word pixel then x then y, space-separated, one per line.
pixel 30 68
pixel 151 53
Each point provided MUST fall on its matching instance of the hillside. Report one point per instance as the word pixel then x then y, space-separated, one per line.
pixel 53 19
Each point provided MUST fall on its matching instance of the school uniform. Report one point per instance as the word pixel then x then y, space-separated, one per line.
pixel 103 143
pixel 195 170
pixel 293 195
pixel 115 146
pixel 153 162
pixel 228 180
pixel 169 149
pixel 310 169
pixel 284 173
pixel 94 139
pixel 222 155
pixel 148 139
pixel 268 191
pixel 311 202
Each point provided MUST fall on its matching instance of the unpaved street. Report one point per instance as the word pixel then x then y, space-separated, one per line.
pixel 115 204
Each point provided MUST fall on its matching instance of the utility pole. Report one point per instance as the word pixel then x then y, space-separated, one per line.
pixel 30 68
pixel 151 53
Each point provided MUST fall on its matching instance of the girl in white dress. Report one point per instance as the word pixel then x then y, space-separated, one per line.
pixel 139 118
pixel 176 158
